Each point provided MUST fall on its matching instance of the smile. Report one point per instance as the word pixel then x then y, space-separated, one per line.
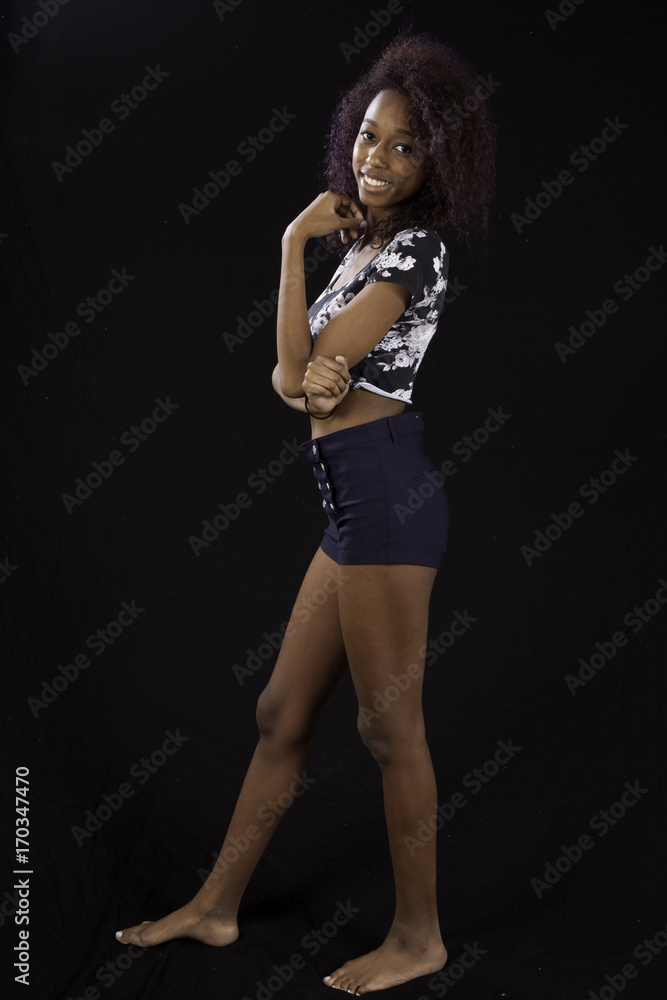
pixel 372 183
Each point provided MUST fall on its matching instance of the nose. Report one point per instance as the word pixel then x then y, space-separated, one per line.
pixel 376 155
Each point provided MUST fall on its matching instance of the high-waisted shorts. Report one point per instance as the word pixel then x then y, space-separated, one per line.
pixel 384 500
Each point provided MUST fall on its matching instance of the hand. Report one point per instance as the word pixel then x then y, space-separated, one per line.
pixel 326 383
pixel 328 212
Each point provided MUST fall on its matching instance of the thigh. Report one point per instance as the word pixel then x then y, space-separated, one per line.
pixel 384 620
pixel 312 655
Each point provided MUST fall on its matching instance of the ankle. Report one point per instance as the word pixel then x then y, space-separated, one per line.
pixel 420 935
pixel 210 902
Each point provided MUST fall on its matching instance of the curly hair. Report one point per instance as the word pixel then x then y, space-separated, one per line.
pixel 458 145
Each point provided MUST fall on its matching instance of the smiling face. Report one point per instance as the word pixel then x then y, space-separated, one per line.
pixel 386 165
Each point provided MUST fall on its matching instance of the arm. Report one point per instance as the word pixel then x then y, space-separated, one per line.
pixel 327 213
pixel 296 404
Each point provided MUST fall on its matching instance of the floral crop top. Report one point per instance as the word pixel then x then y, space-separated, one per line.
pixel 417 259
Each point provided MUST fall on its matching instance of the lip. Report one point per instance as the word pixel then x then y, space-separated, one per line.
pixel 372 187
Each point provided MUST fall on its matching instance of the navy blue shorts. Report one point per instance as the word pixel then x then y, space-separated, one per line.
pixel 384 500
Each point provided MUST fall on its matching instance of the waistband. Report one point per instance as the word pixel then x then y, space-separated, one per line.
pixel 389 429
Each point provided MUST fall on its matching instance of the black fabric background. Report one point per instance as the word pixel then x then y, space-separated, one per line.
pixel 66 574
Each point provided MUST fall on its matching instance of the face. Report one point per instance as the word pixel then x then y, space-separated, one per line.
pixel 386 164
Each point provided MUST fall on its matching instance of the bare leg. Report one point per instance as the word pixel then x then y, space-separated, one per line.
pixel 309 665
pixel 384 617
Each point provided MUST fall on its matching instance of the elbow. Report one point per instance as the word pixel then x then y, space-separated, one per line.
pixel 289 387
pixel 293 390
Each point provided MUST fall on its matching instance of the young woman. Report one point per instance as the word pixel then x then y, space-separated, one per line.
pixel 411 147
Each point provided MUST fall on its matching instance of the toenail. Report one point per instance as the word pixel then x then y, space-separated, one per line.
pixel 119 934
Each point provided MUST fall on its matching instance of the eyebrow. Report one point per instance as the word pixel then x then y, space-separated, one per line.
pixel 401 130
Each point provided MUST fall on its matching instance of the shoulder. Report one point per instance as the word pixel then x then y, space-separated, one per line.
pixel 417 244
pixel 412 252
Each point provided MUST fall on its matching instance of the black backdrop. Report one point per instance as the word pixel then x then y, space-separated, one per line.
pixel 138 348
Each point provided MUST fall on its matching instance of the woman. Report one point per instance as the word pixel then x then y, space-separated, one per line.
pixel 400 160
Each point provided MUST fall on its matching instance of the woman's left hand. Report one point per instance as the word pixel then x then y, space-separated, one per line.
pixel 326 383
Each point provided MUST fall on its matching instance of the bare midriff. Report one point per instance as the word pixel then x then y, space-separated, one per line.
pixel 359 407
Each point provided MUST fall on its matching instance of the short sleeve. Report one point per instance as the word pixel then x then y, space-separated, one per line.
pixel 416 259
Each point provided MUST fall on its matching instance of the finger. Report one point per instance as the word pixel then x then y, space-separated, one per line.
pixel 329 379
pixel 329 365
pixel 329 386
pixel 323 376
pixel 313 389
pixel 351 205
pixel 353 223
pixel 342 360
pixel 326 366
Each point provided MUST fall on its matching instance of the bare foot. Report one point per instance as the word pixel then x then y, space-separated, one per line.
pixel 209 927
pixel 389 965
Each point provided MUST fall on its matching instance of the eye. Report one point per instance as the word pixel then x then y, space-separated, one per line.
pixel 402 147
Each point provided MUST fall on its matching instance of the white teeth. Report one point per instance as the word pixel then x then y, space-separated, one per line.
pixel 374 183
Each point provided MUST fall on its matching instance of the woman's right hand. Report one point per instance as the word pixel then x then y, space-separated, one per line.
pixel 326 383
pixel 328 212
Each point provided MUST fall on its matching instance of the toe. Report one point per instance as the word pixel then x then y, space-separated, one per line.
pixel 133 935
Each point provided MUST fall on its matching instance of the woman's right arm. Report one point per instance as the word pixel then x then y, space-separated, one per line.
pixel 297 403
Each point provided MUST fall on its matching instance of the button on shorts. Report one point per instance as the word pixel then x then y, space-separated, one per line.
pixel 384 501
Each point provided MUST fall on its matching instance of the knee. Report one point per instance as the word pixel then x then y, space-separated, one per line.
pixel 279 720
pixel 390 739
pixel 267 713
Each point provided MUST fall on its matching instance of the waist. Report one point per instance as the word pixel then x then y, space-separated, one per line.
pixel 358 407
pixel 394 429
